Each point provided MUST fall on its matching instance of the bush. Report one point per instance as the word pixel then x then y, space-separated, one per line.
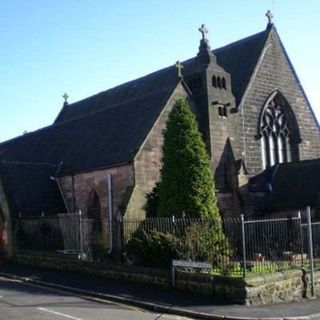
pixel 152 248
pixel 205 241
pixel 197 241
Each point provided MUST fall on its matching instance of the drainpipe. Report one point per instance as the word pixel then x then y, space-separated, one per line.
pixel 54 178
pixel 109 180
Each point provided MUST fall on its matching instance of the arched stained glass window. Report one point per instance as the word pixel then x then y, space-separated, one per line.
pixel 276 135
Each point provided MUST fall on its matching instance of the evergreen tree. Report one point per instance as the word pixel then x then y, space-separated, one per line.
pixel 186 185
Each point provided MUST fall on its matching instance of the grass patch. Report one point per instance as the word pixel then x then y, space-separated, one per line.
pixel 262 267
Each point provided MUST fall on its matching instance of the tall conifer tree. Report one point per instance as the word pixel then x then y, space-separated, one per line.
pixel 186 185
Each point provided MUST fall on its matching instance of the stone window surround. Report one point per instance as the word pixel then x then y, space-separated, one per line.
pixel 277 131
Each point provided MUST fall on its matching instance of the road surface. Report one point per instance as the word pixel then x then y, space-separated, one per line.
pixel 19 300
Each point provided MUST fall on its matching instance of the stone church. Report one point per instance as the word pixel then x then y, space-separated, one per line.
pixel 102 155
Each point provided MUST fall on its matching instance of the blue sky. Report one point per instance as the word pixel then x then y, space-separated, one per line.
pixel 83 47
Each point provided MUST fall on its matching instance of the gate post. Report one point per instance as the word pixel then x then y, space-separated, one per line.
pixel 310 245
pixel 243 246
pixel 81 234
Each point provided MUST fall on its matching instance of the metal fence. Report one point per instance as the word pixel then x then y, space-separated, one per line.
pixel 68 233
pixel 235 247
pixel 245 246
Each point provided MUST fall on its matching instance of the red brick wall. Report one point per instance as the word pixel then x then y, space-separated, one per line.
pixel 78 188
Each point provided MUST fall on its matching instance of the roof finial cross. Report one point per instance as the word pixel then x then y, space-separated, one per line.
pixel 203 31
pixel 65 97
pixel 269 15
pixel 179 67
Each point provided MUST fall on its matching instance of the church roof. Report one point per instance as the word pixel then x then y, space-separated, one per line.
pixel 292 185
pixel 123 116
pixel 124 93
pixel 238 58
pixel 102 138
pixel 30 190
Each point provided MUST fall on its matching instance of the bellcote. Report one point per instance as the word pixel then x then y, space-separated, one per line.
pixel 207 79
pixel 205 55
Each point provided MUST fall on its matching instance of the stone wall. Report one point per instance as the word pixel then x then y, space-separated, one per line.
pixel 276 287
pixel 77 188
pixel 285 286
pixel 148 161
pixel 275 72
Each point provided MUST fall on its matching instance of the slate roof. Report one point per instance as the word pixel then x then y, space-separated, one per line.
pixel 292 185
pixel 108 137
pixel 109 127
pixel 29 189
pixel 127 92
pixel 240 59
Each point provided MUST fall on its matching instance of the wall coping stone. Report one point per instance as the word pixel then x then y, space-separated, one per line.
pixel 258 280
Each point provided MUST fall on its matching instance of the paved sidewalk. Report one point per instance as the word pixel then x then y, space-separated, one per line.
pixel 157 298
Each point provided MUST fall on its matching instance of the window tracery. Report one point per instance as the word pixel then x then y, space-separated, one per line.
pixel 275 135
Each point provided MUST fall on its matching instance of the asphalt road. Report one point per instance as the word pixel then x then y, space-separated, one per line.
pixel 28 302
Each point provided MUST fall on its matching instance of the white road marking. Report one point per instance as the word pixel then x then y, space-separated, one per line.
pixel 59 314
pixel 175 317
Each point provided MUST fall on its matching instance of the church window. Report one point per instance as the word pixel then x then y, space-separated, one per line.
pixel 222 111
pixel 219 82
pixel 276 135
pixel 214 81
pixel 94 211
pixel 223 83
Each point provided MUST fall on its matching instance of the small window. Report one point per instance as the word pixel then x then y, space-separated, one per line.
pixel 214 81
pixel 225 112
pixel 223 83
pixel 219 82
pixel 222 111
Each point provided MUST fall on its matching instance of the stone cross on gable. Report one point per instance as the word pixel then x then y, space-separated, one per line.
pixel 65 97
pixel 269 15
pixel 179 67
pixel 203 31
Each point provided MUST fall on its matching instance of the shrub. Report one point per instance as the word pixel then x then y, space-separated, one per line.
pixel 152 248
pixel 204 241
